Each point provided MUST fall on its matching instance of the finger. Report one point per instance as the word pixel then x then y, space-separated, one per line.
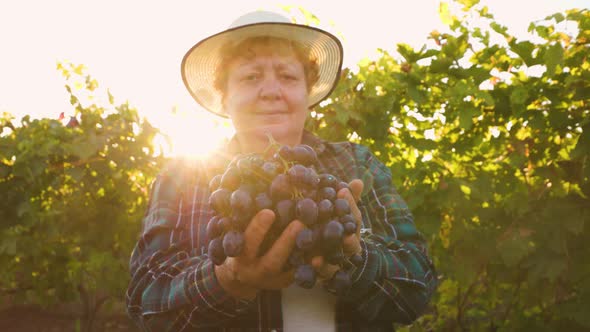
pixel 356 187
pixel 351 245
pixel 279 282
pixel 256 231
pixel 278 254
pixel 317 262
pixel 324 271
pixel 356 213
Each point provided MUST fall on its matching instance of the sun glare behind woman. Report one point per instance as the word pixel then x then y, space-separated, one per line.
pixel 191 134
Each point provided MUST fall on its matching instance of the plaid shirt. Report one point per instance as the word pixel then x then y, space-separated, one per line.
pixel 173 285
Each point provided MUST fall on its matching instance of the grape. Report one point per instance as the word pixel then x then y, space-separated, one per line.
pixel 328 180
pixel 260 187
pixel 239 221
pixel 263 201
pixel 297 175
pixel 307 211
pixel 245 167
pixel 312 156
pixel 304 154
pixel 215 182
pixel 342 185
pixel 327 193
pixel 340 282
pixel 224 224
pixel 305 276
pixel 213 228
pixel 332 233
pixel 309 193
pixel 356 259
pixel 251 188
pixel 304 239
pixel 285 212
pixel 256 161
pixel 349 228
pixel 347 218
pixel 241 201
pixel 270 170
pixel 325 210
pixel 233 243
pixel 285 152
pixel 317 230
pixel 280 188
pixel 216 252
pixel 296 258
pixel 311 179
pixel 231 179
pixel 219 200
pixel 288 184
pixel 341 207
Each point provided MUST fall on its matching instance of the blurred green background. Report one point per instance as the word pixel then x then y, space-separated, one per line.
pixel 487 136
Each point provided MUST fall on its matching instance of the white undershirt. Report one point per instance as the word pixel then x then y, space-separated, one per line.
pixel 308 310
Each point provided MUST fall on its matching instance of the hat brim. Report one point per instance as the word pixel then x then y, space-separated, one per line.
pixel 201 61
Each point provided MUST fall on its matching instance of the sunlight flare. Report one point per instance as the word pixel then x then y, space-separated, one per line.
pixel 191 134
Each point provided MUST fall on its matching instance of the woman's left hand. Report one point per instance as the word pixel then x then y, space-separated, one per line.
pixel 351 244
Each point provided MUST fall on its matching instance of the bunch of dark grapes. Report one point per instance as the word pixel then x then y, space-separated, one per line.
pixel 288 184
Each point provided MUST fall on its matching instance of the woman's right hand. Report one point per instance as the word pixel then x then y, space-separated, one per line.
pixel 245 275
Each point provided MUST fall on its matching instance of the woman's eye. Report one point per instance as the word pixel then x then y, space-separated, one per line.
pixel 289 77
pixel 251 77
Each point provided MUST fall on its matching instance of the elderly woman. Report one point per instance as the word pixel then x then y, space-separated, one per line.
pixel 266 73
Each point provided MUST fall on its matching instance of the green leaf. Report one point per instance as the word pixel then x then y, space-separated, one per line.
pixel 524 49
pixel 73 100
pixel 519 95
pixel 546 265
pixel 111 98
pixel 407 52
pixel 513 250
pixel 467 4
pixel 466 117
pixel 83 149
pixel 553 58
pixel 574 223
pixel 76 173
pixel 582 147
pixel 342 114
pixel 499 29
pixel 415 94
pixel 8 246
pixel 558 17
pixel 486 97
pixel 445 14
pixel 440 64
pixel 23 208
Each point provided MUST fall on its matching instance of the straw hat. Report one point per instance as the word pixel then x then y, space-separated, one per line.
pixel 200 62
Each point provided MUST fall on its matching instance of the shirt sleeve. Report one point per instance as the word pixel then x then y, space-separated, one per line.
pixel 396 278
pixel 173 283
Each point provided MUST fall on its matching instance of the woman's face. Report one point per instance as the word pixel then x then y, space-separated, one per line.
pixel 267 94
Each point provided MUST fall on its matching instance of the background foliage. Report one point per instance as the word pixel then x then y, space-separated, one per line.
pixel 487 136
pixel 73 194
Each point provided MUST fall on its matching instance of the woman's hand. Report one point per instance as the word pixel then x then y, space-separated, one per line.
pixel 351 244
pixel 245 275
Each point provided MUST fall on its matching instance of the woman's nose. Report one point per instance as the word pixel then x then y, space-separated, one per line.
pixel 270 88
